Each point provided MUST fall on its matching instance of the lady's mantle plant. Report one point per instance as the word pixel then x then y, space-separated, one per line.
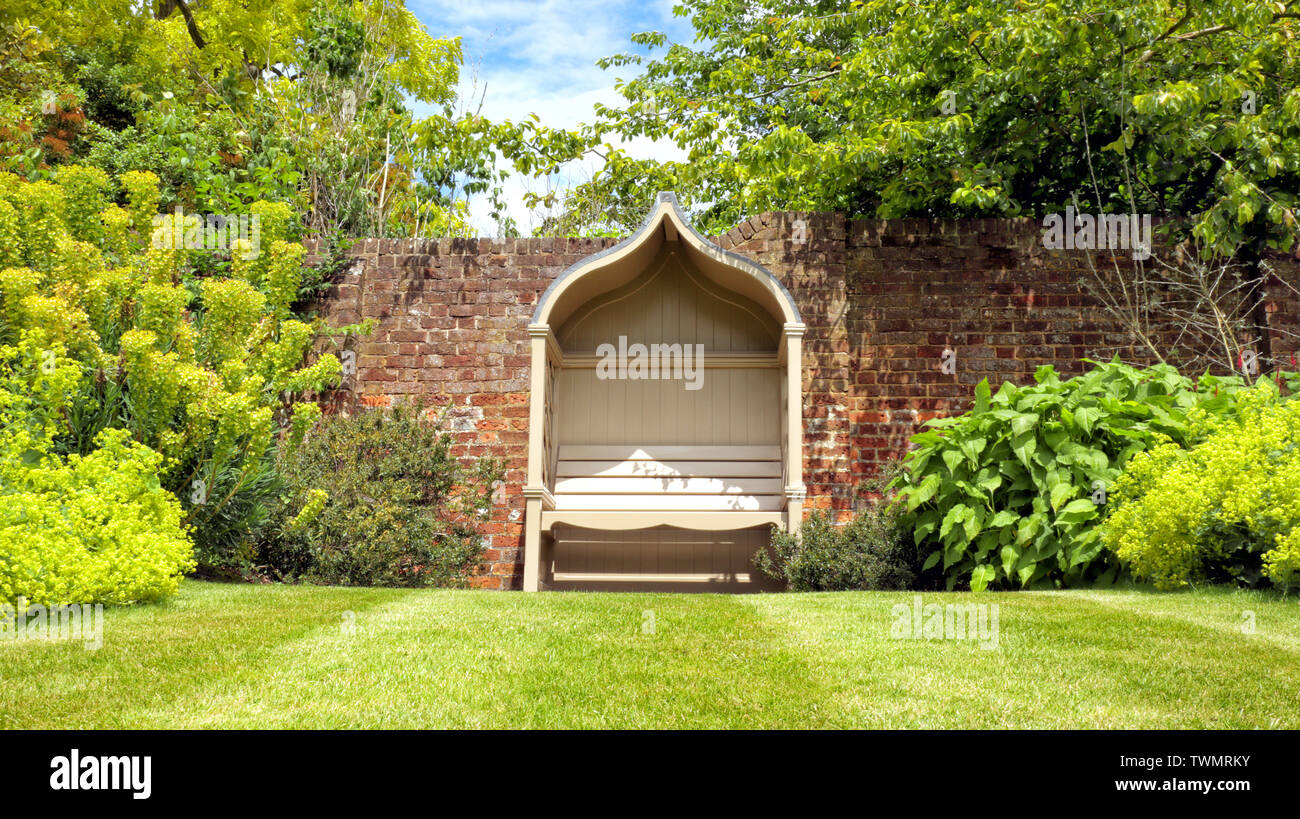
pixel 140 403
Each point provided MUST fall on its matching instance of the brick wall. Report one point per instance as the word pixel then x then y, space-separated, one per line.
pixel 882 300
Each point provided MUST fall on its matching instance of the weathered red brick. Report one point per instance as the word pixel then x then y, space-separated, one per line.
pixel 882 300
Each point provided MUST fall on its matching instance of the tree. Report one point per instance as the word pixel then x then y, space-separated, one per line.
pixel 943 108
pixel 308 102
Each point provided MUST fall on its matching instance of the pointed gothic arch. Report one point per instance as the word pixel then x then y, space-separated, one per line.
pixel 665 426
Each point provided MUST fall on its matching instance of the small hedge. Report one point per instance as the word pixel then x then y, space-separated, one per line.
pixel 378 499
pixel 91 529
pixel 869 553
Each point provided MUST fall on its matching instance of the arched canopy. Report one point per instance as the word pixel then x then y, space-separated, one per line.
pixel 620 452
pixel 665 227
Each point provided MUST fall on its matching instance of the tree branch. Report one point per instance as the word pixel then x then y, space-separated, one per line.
pixel 166 7
pixel 1192 35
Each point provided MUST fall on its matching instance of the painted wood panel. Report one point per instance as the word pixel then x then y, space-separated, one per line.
pixel 732 406
pixel 667 452
pixel 698 521
pixel 671 503
pixel 672 303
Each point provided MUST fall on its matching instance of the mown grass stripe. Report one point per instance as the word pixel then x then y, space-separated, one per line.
pixel 273 657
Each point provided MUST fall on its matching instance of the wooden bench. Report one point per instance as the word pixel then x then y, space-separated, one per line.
pixel 629 487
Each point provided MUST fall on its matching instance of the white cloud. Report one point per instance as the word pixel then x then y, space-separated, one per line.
pixel 540 58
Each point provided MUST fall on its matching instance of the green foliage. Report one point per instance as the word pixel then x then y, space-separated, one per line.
pixel 335 41
pixel 613 202
pixel 85 195
pixel 40 123
pixel 378 499
pixel 1010 493
pixel 90 529
pixel 40 208
pixel 1227 509
pixel 872 552
pixel 142 196
pixel 328 271
pixel 346 111
pixel 959 108
pixel 196 371
pixel 97 528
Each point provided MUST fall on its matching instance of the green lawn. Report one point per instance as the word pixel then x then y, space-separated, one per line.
pixel 237 656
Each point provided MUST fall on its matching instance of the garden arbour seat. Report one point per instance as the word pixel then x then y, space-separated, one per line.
pixel 635 474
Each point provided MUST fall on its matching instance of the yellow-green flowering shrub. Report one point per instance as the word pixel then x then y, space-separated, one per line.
pixel 1225 509
pixel 1282 563
pixel 41 207
pixel 117 229
pixel 236 306
pixel 85 190
pixel 142 196
pixel 95 528
pixel 275 218
pixel 10 236
pixel 199 362
pixel 283 274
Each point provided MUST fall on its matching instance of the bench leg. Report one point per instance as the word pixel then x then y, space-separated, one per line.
pixel 532 544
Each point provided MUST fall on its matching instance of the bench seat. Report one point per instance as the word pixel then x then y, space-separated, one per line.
pixel 672 484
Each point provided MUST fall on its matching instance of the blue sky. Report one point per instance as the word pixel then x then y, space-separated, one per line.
pixel 540 57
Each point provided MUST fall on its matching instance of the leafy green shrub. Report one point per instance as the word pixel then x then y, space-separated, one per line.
pixel 378 499
pixel 201 371
pixel 870 553
pixel 1226 509
pixel 92 529
pixel 97 528
pixel 1010 492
